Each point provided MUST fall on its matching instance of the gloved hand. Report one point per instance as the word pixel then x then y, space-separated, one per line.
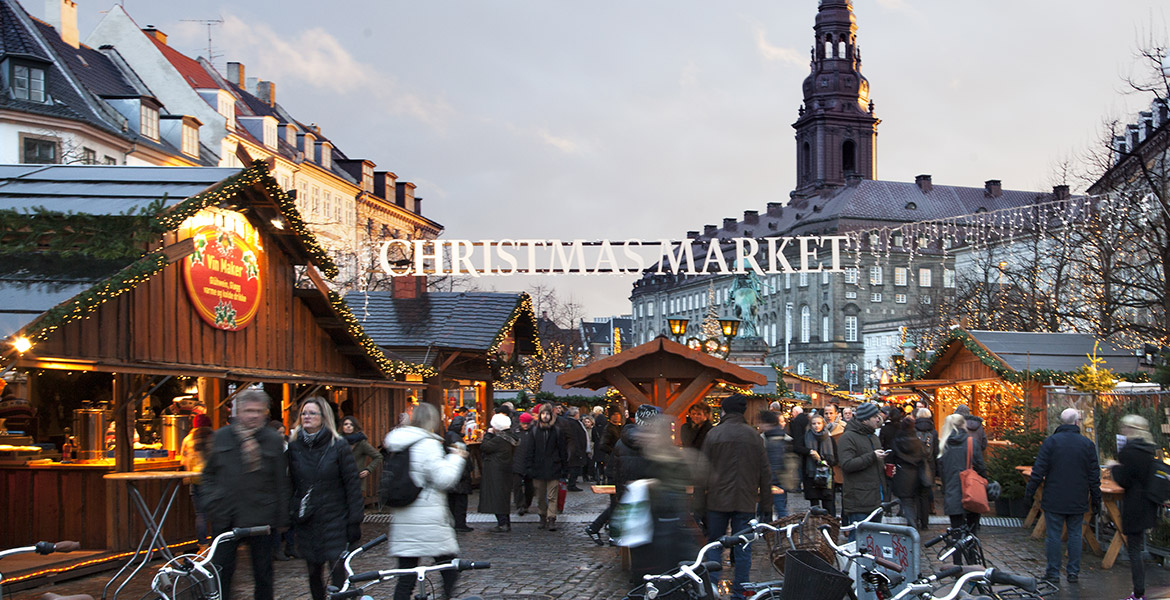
pixel 353 532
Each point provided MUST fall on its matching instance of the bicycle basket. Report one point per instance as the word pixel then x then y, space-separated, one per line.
pixel 809 577
pixel 805 537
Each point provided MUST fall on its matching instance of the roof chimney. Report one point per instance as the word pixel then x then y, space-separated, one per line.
pixel 924 183
pixel 1060 192
pixel 775 208
pixel 155 33
pixel 62 15
pixel 266 92
pixel 993 188
pixel 236 73
pixel 692 235
pixel 250 85
pixel 751 216
pixel 729 222
pixel 709 229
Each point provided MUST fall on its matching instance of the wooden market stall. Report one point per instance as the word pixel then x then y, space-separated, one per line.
pixel 227 293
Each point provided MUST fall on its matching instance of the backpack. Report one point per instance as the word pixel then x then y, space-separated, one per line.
pixel 397 489
pixel 1158 482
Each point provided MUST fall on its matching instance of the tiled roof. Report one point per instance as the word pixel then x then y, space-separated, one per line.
pixel 193 73
pixel 451 320
pixel 14 39
pixel 93 69
pixel 29 287
pixel 101 190
pixel 1029 351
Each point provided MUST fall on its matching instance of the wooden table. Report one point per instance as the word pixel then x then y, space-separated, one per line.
pixel 152 520
pixel 1111 495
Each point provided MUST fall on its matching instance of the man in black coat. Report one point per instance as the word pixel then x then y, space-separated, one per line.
pixel 545 460
pixel 577 446
pixel 1067 467
pixel 694 431
pixel 246 484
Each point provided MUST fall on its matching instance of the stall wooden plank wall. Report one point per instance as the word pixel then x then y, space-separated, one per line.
pixel 378 410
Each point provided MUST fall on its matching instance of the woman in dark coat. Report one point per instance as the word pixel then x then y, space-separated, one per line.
pixel 495 489
pixel 327 497
pixel 910 458
pixel 1137 512
pixel 952 461
pixel 818 448
pixel 364 455
pixel 924 429
pixel 457 496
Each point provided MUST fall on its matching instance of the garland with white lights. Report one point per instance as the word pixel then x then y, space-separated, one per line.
pixel 388 366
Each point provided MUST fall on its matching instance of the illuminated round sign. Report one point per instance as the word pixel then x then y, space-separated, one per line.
pixel 222 277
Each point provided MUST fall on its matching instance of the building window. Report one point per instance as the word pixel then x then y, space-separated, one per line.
pixel 948 278
pixel 801 368
pixel 824 278
pixel 899 275
pixel 109 160
pixel 825 372
pixel 899 298
pixel 805 324
pixel 850 295
pixel 788 281
pixel 924 277
pixel 851 275
pixel 875 275
pixel 148 122
pixel 825 333
pixel 38 151
pixel 923 242
pixel 803 279
pixel 875 297
pixel 650 309
pixel 190 141
pixel 28 83
pixel 316 198
pixel 925 299
pixel 88 156
pixel 850 329
pixel 270 133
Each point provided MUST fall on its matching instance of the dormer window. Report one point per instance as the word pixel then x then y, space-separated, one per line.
pixel 28 83
pixel 190 140
pixel 148 121
pixel 270 133
pixel 326 155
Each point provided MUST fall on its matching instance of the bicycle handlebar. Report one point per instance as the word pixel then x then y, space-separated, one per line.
pixel 66 546
pixel 992 576
pixel 877 511
pixel 372 543
pixel 467 565
pixel 241 532
pixel 887 564
pixel 940 537
pixel 877 560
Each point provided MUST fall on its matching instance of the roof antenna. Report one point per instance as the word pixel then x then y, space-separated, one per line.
pixel 211 55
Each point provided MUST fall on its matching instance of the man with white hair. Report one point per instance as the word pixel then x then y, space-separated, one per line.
pixel 1067 467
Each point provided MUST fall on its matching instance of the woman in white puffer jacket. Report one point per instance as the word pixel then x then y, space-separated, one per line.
pixel 425 528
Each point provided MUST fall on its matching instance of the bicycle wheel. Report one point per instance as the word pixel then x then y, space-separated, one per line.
pixel 196 586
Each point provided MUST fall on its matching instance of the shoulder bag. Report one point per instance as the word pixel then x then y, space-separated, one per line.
pixel 974 486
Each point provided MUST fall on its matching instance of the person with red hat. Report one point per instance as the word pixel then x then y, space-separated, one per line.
pixel 522 487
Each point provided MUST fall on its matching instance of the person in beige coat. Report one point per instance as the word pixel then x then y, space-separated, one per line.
pixel 424 528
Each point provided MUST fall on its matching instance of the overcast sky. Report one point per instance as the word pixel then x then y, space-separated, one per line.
pixel 644 119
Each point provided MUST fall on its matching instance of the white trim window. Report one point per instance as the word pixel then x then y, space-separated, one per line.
pixel 850 328
pixel 825 278
pixel 190 140
pixel 826 334
pixel 851 295
pixel 148 122
pixel 899 298
pixel 825 372
pixel 803 279
pixel 900 275
pixel 875 297
pixel 948 278
pixel 925 300
pixel 875 275
pixel 805 324
pixel 924 277
pixel 851 275
pixel 801 368
pixel 788 281
pixel 28 83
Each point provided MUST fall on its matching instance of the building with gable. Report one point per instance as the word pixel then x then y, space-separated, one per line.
pixel 813 322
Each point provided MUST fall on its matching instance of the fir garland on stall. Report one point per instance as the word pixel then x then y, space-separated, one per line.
pixel 373 350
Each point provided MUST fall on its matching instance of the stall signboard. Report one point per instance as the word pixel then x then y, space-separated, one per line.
pixel 222 277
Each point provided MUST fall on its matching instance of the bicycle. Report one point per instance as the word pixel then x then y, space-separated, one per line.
pixel 43 548
pixel 977 577
pixel 962 543
pixel 192 576
pixel 424 590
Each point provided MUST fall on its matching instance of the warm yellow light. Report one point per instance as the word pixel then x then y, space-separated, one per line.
pixel 22 344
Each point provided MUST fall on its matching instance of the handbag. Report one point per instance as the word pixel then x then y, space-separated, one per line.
pixel 632 525
pixel 823 476
pixel 973 485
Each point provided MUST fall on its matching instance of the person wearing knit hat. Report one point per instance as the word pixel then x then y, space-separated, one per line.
pixel 522 489
pixel 526 418
pixel 862 461
pixel 738 481
pixel 644 413
pixel 495 488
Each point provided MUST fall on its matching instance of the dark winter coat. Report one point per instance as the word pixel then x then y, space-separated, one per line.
pixel 674 530
pixel 777 450
pixel 495 488
pixel 233 498
pixel 1067 466
pixel 578 440
pixel 953 462
pixel 740 476
pixel 975 428
pixel 451 438
pixel 524 440
pixel 926 432
pixel 863 470
pixel 364 455
pixel 825 447
pixel 627 463
pixel 693 437
pixel 1137 513
pixel 546 455
pixel 328 468
pixel 609 439
pixel 889 430
pixel 912 457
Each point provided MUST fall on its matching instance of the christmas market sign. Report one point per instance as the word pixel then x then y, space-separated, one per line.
pixel 222 277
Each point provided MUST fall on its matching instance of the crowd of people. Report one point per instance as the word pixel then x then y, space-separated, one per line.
pixel 845 460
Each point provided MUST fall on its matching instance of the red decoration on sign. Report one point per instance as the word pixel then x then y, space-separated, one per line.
pixel 223 278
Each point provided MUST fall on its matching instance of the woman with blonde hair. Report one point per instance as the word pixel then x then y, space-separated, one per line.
pixel 327 495
pixel 953 460
pixel 1138 513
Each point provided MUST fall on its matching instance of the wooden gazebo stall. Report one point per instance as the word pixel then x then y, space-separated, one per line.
pixel 227 293
pixel 666 374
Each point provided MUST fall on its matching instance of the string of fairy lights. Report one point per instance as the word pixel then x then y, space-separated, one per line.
pixel 373 350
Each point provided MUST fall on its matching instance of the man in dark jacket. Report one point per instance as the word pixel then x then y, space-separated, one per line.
pixel 245 482
pixel 609 439
pixel 694 431
pixel 457 496
pixel 777 457
pixel 522 490
pixel 974 426
pixel 797 425
pixel 738 481
pixel 576 447
pixel 1067 467
pixel 544 461
pixel 862 461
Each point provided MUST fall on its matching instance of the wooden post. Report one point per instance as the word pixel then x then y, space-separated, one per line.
pixel 286 405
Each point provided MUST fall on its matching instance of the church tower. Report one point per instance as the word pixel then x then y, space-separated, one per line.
pixel 836 131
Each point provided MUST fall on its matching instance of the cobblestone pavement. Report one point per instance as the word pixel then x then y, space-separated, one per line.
pixel 530 564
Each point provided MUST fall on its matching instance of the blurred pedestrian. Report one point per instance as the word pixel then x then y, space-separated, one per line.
pixel 327 493
pixel 577 442
pixel 495 488
pixel 626 464
pixel 957 441
pixel 674 532
pixel 424 527
pixel 777 447
pixel 192 455
pixel 457 494
pixel 911 459
pixel 245 479
pixel 1067 467
pixel 738 481
pixel 522 490
pixel 545 461
pixel 1138 513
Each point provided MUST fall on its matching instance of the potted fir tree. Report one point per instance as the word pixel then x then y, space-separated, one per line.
pixel 1024 440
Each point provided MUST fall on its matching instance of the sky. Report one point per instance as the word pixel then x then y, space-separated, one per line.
pixel 644 119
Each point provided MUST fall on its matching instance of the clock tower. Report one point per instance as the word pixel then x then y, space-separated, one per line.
pixel 836 131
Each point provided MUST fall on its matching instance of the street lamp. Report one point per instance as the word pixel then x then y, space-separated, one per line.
pixel 730 327
pixel 909 351
pixel 678 326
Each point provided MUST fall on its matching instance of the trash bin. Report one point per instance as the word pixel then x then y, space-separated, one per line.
pixel 808 577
